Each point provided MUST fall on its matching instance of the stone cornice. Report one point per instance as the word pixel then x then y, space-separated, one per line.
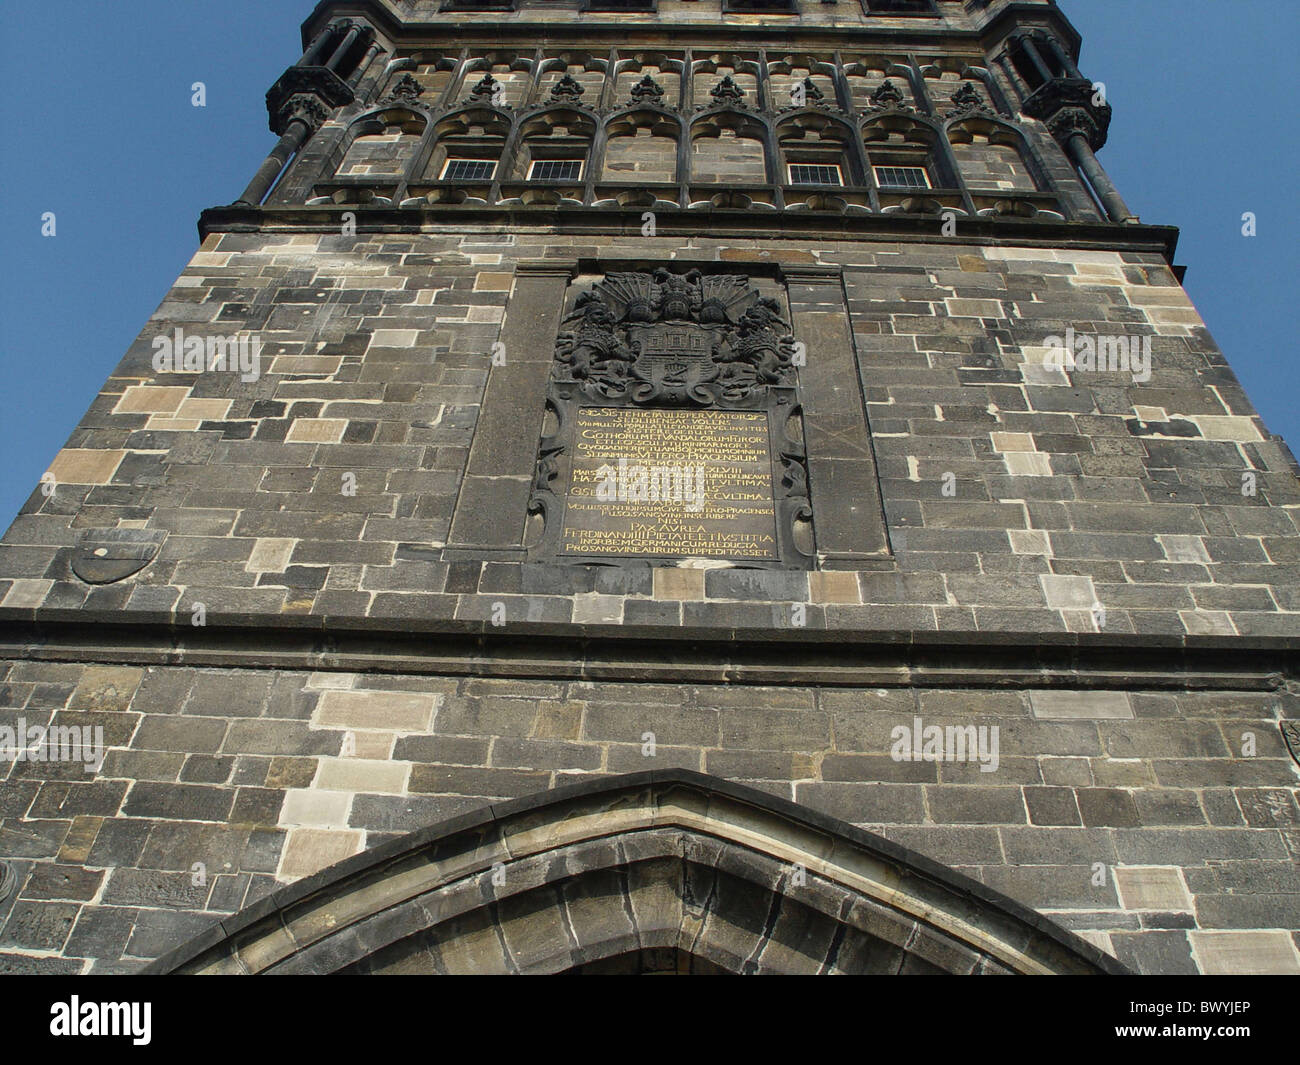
pixel 730 224
pixel 676 654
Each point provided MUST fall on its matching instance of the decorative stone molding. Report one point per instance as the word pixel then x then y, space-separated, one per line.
pixel 326 88
pixel 1065 124
pixel 1069 106
pixel 485 91
pixel 687 339
pixel 306 108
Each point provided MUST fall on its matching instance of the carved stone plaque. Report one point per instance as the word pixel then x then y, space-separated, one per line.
pixel 673 427
pixel 671 483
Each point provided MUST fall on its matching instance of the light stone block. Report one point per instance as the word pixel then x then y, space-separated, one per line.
pixel 376 711
pixel 371 776
pixel 317 431
pixel 1080 705
pixel 1208 622
pixel 1012 442
pixel 596 609
pixel 312 806
pixel 309 850
pixel 26 593
pixel 1153 887
pixel 1030 542
pixel 85 466
pixel 1268 953
pixel 150 399
pixel 1226 427
pixel 391 338
pixel 1067 592
pixel 270 555
pixel 1028 464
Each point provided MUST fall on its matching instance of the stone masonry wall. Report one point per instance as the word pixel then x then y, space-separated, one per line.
pixel 1018 497
pixel 266 776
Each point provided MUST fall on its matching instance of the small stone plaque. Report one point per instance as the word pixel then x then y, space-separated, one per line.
pixel 670 483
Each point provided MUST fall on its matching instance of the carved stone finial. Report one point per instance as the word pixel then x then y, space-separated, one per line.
pixel 811 93
pixel 967 100
pixel 888 97
pixel 647 91
pixel 488 89
pixel 567 89
pixel 407 88
pixel 728 93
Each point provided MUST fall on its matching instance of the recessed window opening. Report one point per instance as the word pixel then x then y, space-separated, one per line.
pixel 902 177
pixel 815 174
pixel 468 170
pixel 555 170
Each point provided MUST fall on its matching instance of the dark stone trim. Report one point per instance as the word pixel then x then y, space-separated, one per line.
pixel 492 505
pixel 660 780
pixel 732 224
pixel 820 657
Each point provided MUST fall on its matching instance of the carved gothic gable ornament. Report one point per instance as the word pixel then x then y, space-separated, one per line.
pixel 567 89
pixel 887 97
pixel 647 91
pixel 967 101
pixel 407 90
pixel 488 91
pixel 676 372
pixel 727 93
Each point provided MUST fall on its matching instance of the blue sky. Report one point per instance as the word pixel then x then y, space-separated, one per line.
pixel 1204 130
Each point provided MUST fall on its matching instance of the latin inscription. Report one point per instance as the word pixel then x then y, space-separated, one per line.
pixel 670 483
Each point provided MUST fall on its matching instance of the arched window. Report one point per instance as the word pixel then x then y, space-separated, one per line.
pixel 902 156
pixel 989 156
pixel 467 146
pixel 641 148
pixel 383 144
pixel 728 146
pixel 555 146
pixel 816 150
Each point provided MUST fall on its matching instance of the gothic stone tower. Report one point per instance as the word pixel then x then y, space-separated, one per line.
pixel 640 485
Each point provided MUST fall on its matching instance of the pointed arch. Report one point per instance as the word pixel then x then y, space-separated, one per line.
pixel 640 144
pixel 812 136
pixel 713 162
pixel 383 141
pixel 673 860
pixel 993 154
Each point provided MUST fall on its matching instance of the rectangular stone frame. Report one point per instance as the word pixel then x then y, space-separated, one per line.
pixel 842 478
pixel 492 508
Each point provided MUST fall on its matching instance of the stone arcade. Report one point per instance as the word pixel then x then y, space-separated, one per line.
pixel 386 680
